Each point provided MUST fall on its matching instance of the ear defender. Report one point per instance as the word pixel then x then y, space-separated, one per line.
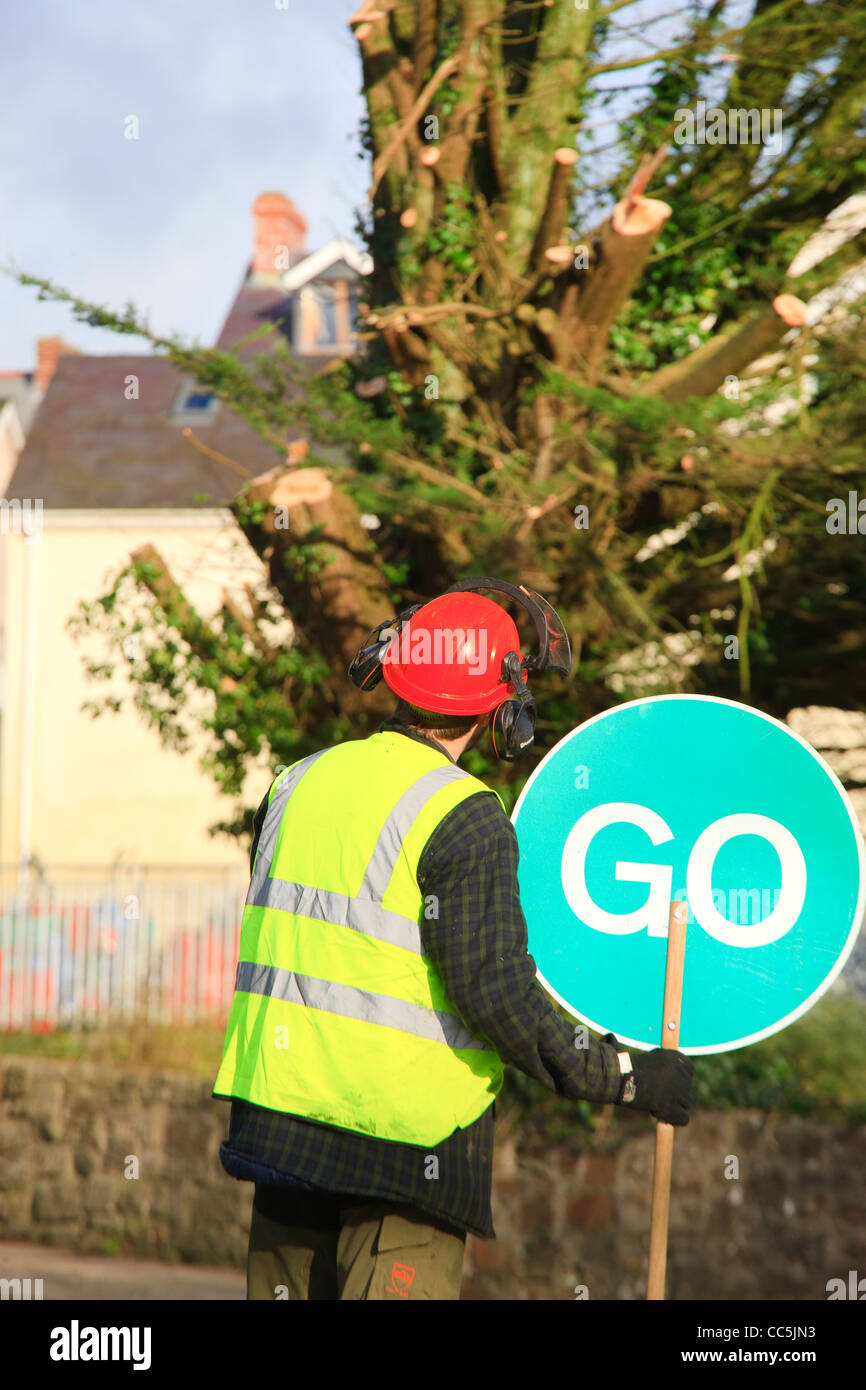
pixel 512 729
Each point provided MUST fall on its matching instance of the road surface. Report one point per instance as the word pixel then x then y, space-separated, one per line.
pixel 66 1275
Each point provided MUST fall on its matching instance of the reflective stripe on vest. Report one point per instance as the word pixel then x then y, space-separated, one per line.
pixel 353 1003
pixel 282 790
pixel 373 1042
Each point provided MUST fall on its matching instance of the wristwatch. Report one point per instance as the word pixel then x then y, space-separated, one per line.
pixel 625 1066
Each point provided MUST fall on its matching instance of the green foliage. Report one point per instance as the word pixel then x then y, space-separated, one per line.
pixel 249 716
pixel 816 1066
pixel 194 1050
pixel 251 513
pixel 453 238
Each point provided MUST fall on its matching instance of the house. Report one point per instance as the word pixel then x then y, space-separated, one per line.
pixel 106 467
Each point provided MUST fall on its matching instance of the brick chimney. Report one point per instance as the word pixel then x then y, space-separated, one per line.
pixel 47 352
pixel 280 236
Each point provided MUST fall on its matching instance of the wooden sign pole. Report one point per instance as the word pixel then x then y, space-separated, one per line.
pixel 664 1154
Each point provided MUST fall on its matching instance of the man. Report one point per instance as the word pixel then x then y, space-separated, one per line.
pixel 384 979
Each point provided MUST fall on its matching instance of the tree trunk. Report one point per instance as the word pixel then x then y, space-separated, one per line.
pixel 624 246
pixel 339 593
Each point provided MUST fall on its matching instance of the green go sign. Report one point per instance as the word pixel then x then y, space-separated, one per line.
pixel 704 800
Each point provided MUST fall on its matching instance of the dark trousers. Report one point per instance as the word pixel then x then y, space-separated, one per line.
pixel 310 1245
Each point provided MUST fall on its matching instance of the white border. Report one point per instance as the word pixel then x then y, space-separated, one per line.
pixel 801 1009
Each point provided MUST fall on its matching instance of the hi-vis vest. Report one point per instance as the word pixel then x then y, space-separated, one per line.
pixel 337 1015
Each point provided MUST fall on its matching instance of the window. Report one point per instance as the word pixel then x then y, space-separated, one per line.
pixel 327 317
pixel 327 320
pixel 355 325
pixel 194 405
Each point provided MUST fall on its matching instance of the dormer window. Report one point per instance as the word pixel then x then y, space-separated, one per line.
pixel 324 290
pixel 194 405
pixel 327 317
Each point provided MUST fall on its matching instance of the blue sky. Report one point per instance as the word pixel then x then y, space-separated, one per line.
pixel 233 97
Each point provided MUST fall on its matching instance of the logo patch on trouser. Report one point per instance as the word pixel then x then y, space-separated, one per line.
pixel 402 1274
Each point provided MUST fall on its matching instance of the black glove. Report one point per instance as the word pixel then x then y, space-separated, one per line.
pixel 662 1080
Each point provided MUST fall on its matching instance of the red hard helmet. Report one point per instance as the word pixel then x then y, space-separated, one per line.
pixel 448 655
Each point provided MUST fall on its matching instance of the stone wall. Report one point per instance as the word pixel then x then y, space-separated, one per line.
pixel 571 1216
pixel 68 1131
pixel 839 736
pixel 566 1215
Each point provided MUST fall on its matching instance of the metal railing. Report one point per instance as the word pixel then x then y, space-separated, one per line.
pixel 83 948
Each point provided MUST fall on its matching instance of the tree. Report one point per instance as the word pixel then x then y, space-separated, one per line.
pixel 552 384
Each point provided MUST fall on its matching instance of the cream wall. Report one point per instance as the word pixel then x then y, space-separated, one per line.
pixel 11 442
pixel 103 788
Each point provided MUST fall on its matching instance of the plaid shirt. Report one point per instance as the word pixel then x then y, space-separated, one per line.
pixel 478 946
